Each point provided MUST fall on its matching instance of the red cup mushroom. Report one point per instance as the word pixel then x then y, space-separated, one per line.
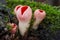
pixel 23 14
pixel 39 15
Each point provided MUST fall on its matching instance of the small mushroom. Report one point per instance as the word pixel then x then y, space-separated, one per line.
pixel 39 15
pixel 13 27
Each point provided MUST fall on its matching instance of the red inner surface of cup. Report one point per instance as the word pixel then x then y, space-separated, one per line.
pixel 23 9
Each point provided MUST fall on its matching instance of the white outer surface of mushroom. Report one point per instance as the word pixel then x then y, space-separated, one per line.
pixel 39 15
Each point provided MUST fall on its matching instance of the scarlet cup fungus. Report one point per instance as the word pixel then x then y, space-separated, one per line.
pixel 39 15
pixel 23 14
pixel 13 27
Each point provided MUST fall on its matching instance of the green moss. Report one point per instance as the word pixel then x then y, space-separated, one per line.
pixel 52 20
pixel 8 27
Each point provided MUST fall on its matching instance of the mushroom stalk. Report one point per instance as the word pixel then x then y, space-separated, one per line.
pixel 23 27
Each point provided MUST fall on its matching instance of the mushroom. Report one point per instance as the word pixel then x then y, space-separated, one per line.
pixel 13 27
pixel 39 15
pixel 23 14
